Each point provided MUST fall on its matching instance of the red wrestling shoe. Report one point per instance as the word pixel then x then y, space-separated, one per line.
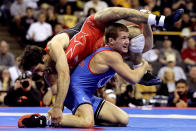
pixel 32 120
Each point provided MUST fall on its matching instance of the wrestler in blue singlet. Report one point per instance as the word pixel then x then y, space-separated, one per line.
pixel 83 85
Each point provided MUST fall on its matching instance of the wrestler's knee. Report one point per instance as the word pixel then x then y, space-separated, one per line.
pixel 86 115
pixel 123 120
pixel 88 123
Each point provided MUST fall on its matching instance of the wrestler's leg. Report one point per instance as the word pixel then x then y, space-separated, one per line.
pixel 84 117
pixel 111 115
pixel 112 14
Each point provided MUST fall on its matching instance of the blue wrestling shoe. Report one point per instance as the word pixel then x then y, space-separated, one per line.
pixel 149 80
pixel 172 19
pixel 32 120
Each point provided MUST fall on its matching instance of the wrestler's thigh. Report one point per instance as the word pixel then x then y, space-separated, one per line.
pixel 112 114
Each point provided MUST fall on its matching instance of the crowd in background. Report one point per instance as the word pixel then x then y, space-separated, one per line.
pixel 34 22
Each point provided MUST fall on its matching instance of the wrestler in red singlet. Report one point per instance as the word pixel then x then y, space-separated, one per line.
pixel 87 41
pixel 84 42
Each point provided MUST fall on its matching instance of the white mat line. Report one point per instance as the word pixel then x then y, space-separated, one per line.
pixel 17 114
pixel 169 116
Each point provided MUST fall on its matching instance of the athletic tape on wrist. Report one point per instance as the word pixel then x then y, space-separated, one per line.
pixel 137 44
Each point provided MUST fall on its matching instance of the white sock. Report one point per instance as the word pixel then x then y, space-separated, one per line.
pixel 136 66
pixel 161 20
pixel 156 20
pixel 152 19
pixel 48 121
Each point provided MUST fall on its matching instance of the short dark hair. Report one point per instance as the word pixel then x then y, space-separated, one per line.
pixel 112 30
pixel 29 8
pixel 31 56
pixel 89 11
pixel 182 81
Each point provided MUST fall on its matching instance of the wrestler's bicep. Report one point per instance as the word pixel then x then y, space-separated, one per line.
pixel 122 69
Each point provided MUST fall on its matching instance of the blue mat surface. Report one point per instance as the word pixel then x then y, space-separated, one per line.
pixel 146 119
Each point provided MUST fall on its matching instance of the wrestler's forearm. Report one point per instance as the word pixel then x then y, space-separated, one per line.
pixel 148 38
pixel 123 70
pixel 62 87
pixel 134 75
pixel 116 13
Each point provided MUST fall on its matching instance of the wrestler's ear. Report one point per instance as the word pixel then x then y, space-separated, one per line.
pixel 111 41
pixel 44 57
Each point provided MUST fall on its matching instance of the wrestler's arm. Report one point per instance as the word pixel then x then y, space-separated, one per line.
pixel 111 14
pixel 147 31
pixel 57 53
pixel 115 61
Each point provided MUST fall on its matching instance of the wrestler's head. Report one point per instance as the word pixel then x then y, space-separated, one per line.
pixel 117 37
pixel 137 39
pixel 134 30
pixel 32 57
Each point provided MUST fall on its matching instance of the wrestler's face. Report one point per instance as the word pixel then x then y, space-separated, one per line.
pixel 121 43
pixel 38 68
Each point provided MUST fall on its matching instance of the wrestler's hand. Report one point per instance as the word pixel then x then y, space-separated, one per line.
pixel 56 115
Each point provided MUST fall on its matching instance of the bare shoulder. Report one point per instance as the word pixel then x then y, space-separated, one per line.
pixel 111 56
pixel 57 46
pixel 60 36
pixel 61 40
